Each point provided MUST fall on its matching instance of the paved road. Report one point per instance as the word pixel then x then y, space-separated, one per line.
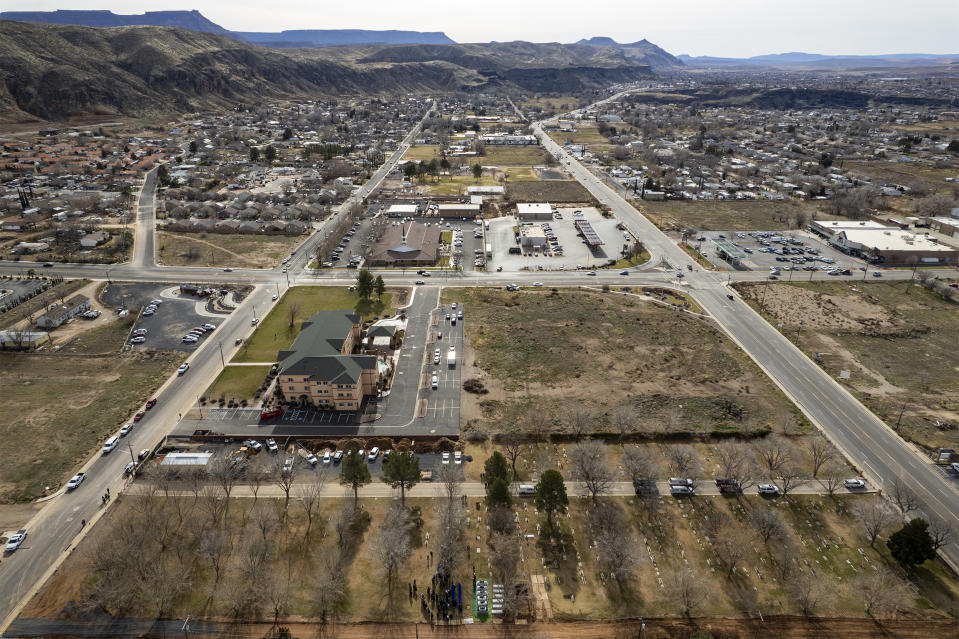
pixel 144 238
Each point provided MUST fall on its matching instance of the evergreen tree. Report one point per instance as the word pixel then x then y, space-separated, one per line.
pixel 365 284
pixel 551 495
pixel 402 470
pixel 354 473
pixel 912 543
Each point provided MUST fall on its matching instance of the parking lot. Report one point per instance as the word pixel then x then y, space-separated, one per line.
pixel 443 402
pixel 173 319
pixel 792 252
pixel 574 251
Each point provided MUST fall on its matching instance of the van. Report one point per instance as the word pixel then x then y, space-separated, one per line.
pixel 681 490
pixel 680 481
pixel 111 444
pixel 527 490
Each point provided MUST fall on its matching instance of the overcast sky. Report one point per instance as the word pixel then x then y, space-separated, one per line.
pixel 735 28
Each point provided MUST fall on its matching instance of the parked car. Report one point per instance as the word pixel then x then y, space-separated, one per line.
pixel 111 443
pixel 139 339
pixel 151 403
pixel 271 445
pixel 374 453
pixel 129 468
pixel 446 457
pixel 140 415
pixel 76 480
pixel 125 429
pixel 853 484
pixel 338 457
pixel 255 445
pixel 288 465
pixel 311 459
pixel 16 539
pixel 326 457
pixel 270 414
pixel 768 489
pixel 143 454
pixel 184 367
pixel 457 457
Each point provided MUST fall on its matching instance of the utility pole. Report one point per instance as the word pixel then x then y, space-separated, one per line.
pixel 222 361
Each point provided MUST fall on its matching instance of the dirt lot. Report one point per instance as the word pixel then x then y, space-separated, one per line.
pixel 58 406
pixel 548 191
pixel 872 329
pixel 905 173
pixel 215 249
pixel 559 352
pixel 726 215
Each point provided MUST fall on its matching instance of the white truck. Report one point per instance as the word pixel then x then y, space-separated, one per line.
pixel 451 357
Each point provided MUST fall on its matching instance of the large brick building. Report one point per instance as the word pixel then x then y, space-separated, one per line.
pixel 321 367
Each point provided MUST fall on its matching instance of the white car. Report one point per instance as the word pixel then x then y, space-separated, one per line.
pixel 537 283
pixel 435 382
pixel 768 489
pixel 453 306
pixel 125 430
pixel 190 339
pixel 16 539
pixel 156 302
pixel 76 480
pixel 374 453
pixel 139 339
pixel 326 457
pixel 209 327
pixel 446 457
pixel 457 457
pixel 184 367
pixel 271 445
pixel 311 459
pixel 853 484
pixel 274 297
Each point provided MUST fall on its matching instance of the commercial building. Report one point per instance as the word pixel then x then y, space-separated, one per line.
pixel 532 237
pixel 534 211
pixel 499 139
pixel 403 210
pixel 73 307
pixel 485 190
pixel 321 368
pixel 894 247
pixel 408 244
pixel 458 210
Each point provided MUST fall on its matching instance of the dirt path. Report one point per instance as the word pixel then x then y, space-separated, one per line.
pixel 778 627
pixel 214 246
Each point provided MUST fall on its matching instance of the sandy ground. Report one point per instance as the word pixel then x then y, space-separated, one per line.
pixel 77 325
pixel 14 516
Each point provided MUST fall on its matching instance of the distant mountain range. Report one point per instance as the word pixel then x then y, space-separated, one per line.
pixel 51 71
pixel 819 61
pixel 341 37
pixel 192 20
pixel 643 50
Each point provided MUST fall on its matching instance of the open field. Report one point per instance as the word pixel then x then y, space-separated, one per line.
pixel 217 249
pixel 237 383
pixel 904 173
pixel 551 355
pixel 729 215
pixel 497 155
pixel 897 340
pixel 548 191
pixel 584 134
pixel 520 174
pixel 58 407
pixel 456 185
pixel 559 104
pixel 278 329
pixel 423 152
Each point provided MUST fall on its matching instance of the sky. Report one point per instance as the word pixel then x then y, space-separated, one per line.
pixel 734 28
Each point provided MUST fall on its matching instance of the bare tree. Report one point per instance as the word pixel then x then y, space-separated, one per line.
pixel 214 547
pixel 501 520
pixel 683 461
pixel 774 453
pixel 213 504
pixel 831 478
pixel 512 444
pixel 821 452
pixel 941 531
pixel 449 548
pixel 806 590
pixel 293 308
pixel 391 546
pixel 874 517
pixel 767 522
pixel 450 478
pixel 264 520
pixel 580 420
pixel 589 465
pixel 736 462
pixel 641 463
pixel 505 553
pixel 284 478
pixel 903 496
pixel 687 586
pixel 730 547
pixel 161 583
pixel 787 478
pixel 309 495
pixel 330 593
pixel 623 419
pixel 615 547
pixel 879 590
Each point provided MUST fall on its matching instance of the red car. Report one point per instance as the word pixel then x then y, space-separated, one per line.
pixel 270 414
pixel 139 416
pixel 151 403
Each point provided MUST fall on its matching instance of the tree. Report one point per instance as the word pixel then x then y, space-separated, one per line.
pixel 192 146
pixel 787 477
pixel 641 463
pixel 497 494
pixel 683 461
pixel 730 547
pixel 873 517
pixel 831 477
pixel 767 522
pixel 379 287
pixel 287 133
pixel 293 308
pixel 687 586
pixel 402 470
pixel 505 554
pixel 820 451
pixel 450 477
pixel 912 543
pixel 309 495
pixel 615 547
pixel 903 496
pixel 365 284
pixel 805 590
pixel 392 544
pixel 284 478
pixel 551 495
pixel 512 441
pixel 354 473
pixel 941 531
pixel 589 465
pixel 477 171
pixel 774 453
pixel 270 154
pixel 623 419
pixel 878 590
pixel 496 467
pixel 254 154
pixel 736 463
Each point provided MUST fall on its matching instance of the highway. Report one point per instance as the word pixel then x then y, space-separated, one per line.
pixel 867 442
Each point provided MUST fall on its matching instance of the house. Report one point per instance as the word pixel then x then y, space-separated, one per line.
pixel 73 307
pixel 408 244
pixel 320 367
pixel 31 247
pixel 91 240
